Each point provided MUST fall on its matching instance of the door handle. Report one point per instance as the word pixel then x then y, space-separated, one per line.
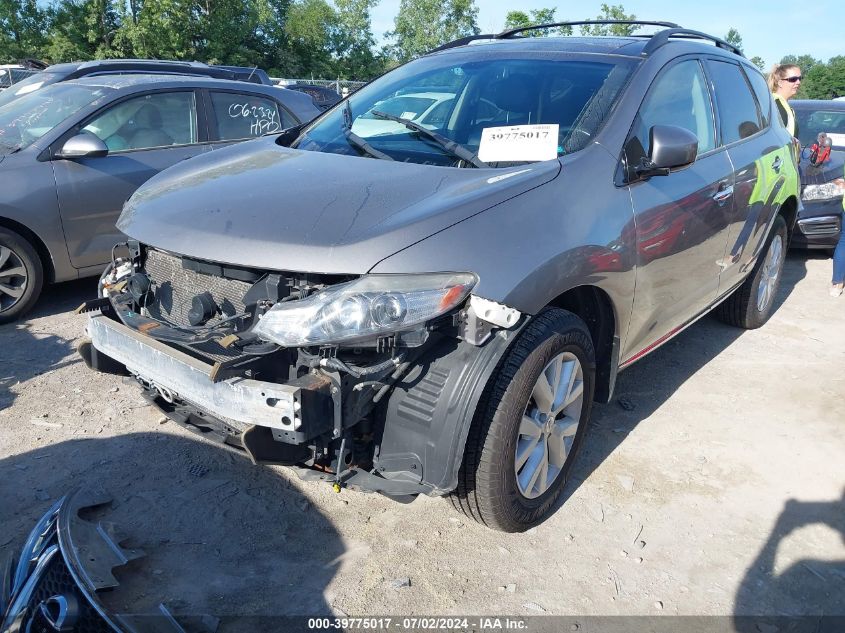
pixel 776 164
pixel 723 194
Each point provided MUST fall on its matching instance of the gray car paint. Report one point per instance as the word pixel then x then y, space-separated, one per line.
pixel 31 193
pixel 274 203
pixel 529 238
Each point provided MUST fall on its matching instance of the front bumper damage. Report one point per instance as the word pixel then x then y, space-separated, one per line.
pixel 397 426
pixel 66 564
pixel 173 373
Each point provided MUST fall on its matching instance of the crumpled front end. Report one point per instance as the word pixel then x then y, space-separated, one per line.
pixel 305 370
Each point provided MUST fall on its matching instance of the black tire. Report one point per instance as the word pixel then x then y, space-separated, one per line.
pixel 487 482
pixel 741 309
pixel 18 293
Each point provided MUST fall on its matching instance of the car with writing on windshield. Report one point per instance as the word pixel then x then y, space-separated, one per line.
pixel 73 152
pixel 433 308
pixel 820 221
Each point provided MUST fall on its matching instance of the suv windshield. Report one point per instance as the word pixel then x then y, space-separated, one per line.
pixel 813 122
pixel 460 95
pixel 31 116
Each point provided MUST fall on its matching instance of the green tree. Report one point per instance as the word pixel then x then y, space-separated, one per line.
pixel 519 19
pixel 354 41
pixel 422 25
pixel 734 38
pixel 758 61
pixel 229 31
pixel 825 81
pixel 611 12
pixel 22 29
pixel 309 27
pixel 162 29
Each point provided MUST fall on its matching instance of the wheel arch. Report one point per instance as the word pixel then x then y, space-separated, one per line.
pixel 789 211
pixel 595 307
pixel 37 243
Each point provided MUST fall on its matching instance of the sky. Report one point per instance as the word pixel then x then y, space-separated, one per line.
pixel 769 29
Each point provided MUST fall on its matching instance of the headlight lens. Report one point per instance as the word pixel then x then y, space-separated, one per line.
pixel 374 305
pixel 826 191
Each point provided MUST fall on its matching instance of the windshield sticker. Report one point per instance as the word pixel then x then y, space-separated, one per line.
pixel 409 115
pixel 517 143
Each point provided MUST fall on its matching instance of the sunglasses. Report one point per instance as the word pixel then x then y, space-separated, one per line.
pixel 792 80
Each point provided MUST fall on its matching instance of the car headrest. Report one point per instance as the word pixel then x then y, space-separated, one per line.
pixel 516 93
pixel 148 116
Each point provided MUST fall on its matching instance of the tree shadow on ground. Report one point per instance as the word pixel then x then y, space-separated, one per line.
pixel 25 354
pixel 817 585
pixel 221 537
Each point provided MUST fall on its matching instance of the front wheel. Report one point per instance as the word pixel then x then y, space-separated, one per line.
pixel 751 305
pixel 529 425
pixel 21 276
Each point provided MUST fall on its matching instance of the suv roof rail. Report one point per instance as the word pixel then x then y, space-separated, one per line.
pixel 656 40
pixel 521 29
pixel 161 62
pixel 662 37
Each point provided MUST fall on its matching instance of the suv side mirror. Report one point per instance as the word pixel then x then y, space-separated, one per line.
pixel 671 147
pixel 83 145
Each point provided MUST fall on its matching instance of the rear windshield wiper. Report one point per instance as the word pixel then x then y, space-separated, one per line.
pixel 455 149
pixel 356 141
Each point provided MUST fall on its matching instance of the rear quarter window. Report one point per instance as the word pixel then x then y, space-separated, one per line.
pixel 763 95
pixel 737 107
pixel 239 116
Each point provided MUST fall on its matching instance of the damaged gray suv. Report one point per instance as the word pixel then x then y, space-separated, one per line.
pixel 423 291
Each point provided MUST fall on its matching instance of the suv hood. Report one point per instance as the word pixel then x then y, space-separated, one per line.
pixel 263 206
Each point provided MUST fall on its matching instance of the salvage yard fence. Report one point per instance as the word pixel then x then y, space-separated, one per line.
pixel 343 87
pixel 9 76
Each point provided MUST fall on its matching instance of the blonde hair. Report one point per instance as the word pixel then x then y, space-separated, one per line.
pixel 777 73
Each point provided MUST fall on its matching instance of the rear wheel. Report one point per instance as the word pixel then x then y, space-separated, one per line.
pixel 529 425
pixel 751 305
pixel 21 276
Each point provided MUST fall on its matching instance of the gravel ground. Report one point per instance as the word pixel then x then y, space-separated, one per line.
pixel 714 484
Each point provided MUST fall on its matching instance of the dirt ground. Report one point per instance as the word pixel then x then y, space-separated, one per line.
pixel 713 484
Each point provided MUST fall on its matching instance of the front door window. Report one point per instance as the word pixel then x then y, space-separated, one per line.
pixel 155 120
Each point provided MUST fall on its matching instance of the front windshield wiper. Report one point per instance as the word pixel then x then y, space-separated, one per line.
pixel 356 141
pixel 455 149
pixel 11 149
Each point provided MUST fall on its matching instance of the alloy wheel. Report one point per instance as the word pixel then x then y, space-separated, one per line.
pixel 770 273
pixel 13 278
pixel 549 425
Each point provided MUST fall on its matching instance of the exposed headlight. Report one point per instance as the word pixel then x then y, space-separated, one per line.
pixel 827 191
pixel 374 305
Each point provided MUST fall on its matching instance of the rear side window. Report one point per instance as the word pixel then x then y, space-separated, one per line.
pixel 763 94
pixel 738 114
pixel 241 116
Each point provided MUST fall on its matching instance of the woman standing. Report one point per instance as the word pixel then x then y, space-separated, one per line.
pixel 784 81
